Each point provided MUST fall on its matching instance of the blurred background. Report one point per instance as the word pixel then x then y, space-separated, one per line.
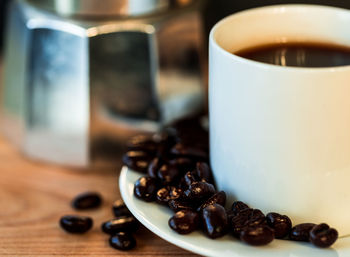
pixel 216 9
pixel 79 78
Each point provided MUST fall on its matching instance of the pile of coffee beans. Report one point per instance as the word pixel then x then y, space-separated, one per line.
pixel 177 174
pixel 120 229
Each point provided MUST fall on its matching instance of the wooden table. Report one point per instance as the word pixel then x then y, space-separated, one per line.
pixel 33 197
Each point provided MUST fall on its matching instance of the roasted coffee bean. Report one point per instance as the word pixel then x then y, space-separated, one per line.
pixel 246 217
pixel 199 191
pixel 301 232
pixel 168 174
pixel 178 205
pixel 281 224
pixel 176 193
pixel 230 214
pixel 323 236
pixel 165 194
pixel 122 223
pixel 257 235
pixel 237 206
pixel 76 224
pixel 166 142
pixel 184 221
pixel 137 160
pixel 203 171
pixel 190 178
pixel 214 220
pixel 182 184
pixel 142 143
pixel 146 188
pixel 183 164
pixel 189 151
pixel 87 200
pixel 153 167
pixel 122 241
pixel 120 209
pixel 218 198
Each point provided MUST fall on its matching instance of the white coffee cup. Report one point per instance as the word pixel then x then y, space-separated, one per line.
pixel 280 136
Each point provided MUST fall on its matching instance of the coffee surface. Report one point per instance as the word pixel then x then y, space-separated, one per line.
pixel 299 54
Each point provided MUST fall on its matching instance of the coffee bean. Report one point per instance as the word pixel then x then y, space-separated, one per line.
pixel 257 235
pixel 137 160
pixel 178 205
pixel 189 151
pixel 199 191
pixel 183 164
pixel 153 167
pixel 215 222
pixel 230 214
pixel 281 224
pixel 146 188
pixel 218 198
pixel 122 241
pixel 168 174
pixel 165 194
pixel 237 206
pixel 246 217
pixel 323 236
pixel 256 218
pixel 122 223
pixel 301 232
pixel 184 221
pixel 120 209
pixel 190 177
pixel 203 171
pixel 142 143
pixel 87 200
pixel 76 224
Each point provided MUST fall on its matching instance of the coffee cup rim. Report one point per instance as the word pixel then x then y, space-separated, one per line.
pixel 271 8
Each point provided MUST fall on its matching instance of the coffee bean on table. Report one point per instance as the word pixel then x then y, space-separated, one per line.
pixel 237 206
pixel 281 224
pixel 301 232
pixel 323 236
pixel 146 188
pixel 199 191
pixel 120 209
pixel 137 160
pixel 179 204
pixel 87 200
pixel 122 241
pixel 122 223
pixel 218 198
pixel 215 223
pixel 184 221
pixel 76 224
pixel 257 235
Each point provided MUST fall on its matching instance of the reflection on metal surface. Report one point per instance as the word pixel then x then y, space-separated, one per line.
pixel 107 7
pixel 75 90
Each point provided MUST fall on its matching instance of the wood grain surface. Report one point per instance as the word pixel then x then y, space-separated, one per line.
pixel 33 197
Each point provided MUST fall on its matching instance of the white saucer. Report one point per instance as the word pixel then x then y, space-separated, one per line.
pixel 155 218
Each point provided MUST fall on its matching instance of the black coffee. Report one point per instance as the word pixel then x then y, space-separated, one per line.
pixel 299 54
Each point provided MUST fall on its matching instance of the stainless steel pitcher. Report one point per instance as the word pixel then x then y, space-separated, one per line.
pixel 81 76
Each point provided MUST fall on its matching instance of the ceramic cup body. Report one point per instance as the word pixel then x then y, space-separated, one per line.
pixel 280 136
